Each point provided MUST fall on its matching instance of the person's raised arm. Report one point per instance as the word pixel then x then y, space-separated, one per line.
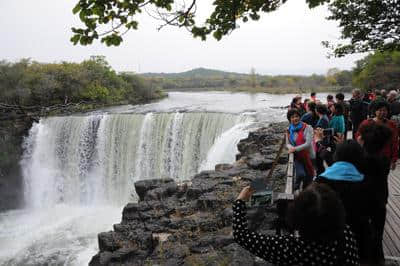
pixel 274 249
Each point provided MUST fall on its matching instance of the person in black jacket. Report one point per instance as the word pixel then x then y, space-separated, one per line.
pixel 311 118
pixel 358 112
pixel 318 216
pixel 373 137
pixel 345 178
pixel 322 113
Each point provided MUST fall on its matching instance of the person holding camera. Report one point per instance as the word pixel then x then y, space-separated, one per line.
pixel 325 142
pixel 318 216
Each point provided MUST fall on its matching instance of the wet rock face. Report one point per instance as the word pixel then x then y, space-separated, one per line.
pixel 12 133
pixel 190 223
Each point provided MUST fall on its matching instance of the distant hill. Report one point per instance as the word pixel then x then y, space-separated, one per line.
pixel 197 73
pixel 201 79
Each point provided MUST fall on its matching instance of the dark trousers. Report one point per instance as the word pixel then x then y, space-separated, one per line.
pixel 301 176
pixel 355 129
pixel 378 219
pixel 306 180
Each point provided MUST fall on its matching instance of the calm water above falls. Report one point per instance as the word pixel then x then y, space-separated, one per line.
pixel 79 170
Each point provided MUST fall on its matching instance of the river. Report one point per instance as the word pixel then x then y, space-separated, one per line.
pixel 79 170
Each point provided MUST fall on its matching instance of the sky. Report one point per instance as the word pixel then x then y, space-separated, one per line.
pixel 287 41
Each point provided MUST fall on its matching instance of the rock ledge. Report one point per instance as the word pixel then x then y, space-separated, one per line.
pixel 190 223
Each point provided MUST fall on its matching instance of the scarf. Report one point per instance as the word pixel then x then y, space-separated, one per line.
pixel 294 129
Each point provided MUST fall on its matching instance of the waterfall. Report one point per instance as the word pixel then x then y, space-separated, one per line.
pixel 79 170
pixel 84 160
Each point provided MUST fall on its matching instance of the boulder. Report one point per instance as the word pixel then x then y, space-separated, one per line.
pixel 259 162
pixel 143 186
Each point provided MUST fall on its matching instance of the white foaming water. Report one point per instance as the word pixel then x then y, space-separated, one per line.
pixel 62 235
pixel 79 170
pixel 225 149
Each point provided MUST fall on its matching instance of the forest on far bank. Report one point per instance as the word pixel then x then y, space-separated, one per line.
pixel 379 70
pixel 208 79
pixel 92 82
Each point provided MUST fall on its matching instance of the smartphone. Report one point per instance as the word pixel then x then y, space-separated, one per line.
pixel 258 185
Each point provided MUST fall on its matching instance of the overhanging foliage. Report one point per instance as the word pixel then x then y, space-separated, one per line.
pixel 368 25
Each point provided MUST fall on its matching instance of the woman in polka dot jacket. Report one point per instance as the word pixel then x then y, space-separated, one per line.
pixel 318 216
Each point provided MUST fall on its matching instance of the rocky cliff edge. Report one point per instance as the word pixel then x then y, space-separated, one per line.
pixel 189 223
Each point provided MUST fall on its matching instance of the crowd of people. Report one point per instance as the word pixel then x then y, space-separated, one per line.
pixel 340 211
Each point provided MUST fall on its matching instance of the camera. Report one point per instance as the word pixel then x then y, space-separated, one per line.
pixel 328 132
pixel 328 140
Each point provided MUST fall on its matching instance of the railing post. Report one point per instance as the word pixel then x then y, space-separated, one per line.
pixel 290 175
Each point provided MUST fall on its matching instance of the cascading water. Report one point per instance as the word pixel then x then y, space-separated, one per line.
pixel 95 159
pixel 79 171
pixel 78 164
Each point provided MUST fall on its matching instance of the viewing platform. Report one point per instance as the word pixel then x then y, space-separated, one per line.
pixel 391 237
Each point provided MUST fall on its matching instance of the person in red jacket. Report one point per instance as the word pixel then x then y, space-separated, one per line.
pixel 391 149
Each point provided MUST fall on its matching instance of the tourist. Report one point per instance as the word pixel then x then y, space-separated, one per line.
pixel 305 105
pixel 346 111
pixel 322 113
pixel 374 137
pixel 384 94
pixel 382 110
pixel 345 178
pixel 311 118
pixel 378 165
pixel 378 95
pixel 325 148
pixel 337 121
pixel 318 216
pixel 299 141
pixel 394 104
pixel 357 110
pixel 329 103
pixel 296 104
pixel 313 97
pixel 329 100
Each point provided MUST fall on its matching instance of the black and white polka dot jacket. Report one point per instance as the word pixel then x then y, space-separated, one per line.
pixel 289 249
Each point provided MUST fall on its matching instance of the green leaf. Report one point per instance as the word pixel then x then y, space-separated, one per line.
pixel 82 16
pixel 75 39
pixel 76 9
pixel 217 35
